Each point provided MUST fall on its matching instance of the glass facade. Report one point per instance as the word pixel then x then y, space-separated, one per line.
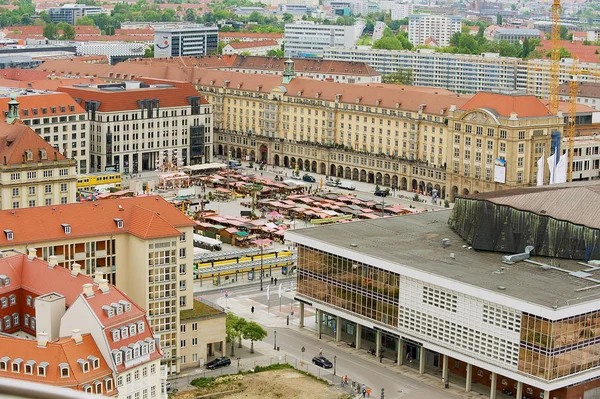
pixel 353 286
pixel 556 349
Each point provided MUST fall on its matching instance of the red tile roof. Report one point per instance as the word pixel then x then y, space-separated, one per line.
pixel 253 44
pixel 250 35
pixel 54 103
pixel 583 52
pixel 64 350
pixel 21 74
pixel 88 219
pixel 17 138
pixel 111 101
pixel 48 84
pixel 504 105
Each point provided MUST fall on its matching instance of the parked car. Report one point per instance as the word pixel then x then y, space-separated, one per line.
pixel 322 361
pixel 332 183
pixel 382 193
pixel 295 176
pixel 309 178
pixel 218 363
pixel 347 185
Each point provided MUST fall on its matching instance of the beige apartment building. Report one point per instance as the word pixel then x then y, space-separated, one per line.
pixel 32 173
pixel 58 119
pixel 195 347
pixel 143 245
pixel 141 125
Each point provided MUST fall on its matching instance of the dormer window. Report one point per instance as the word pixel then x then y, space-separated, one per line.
pixel 127 353
pixel 43 154
pixel 4 302
pixel 126 305
pixel 13 299
pixel 98 387
pixel 119 223
pixel 84 364
pixel 67 228
pixel 116 335
pixel 136 351
pixel 117 357
pixel 144 349
pixel 108 311
pixel 42 368
pixel 94 361
pixel 29 155
pixel 124 332
pixel 132 330
pixel 151 345
pixel 140 326
pixel 29 367
pixel 64 370
pixel 109 384
pixel 7 322
pixel 16 365
pixel 9 235
pixel 87 388
pixel 4 363
pixel 118 309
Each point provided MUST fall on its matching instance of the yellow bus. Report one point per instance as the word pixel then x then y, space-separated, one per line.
pixel 100 181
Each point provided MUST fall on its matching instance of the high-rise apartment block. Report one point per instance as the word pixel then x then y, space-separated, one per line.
pixel 425 28
pixel 308 39
pixel 184 40
pixel 70 13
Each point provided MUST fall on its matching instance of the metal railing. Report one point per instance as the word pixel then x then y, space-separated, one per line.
pixel 244 265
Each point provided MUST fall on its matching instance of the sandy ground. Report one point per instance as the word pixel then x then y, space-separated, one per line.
pixel 286 384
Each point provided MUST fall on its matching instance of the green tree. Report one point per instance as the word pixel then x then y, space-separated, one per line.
pixel 387 32
pixel 50 31
pixel 220 47
pixel 395 25
pixel 253 332
pixel 564 33
pixel 234 330
pixel 499 20
pixel 149 52
pixel 587 43
pixel 400 77
pixel 287 17
pixel 68 33
pixel 388 43
pixel 25 20
pixel 275 53
pixel 85 21
pixel 45 17
pixel 255 17
pixel 190 15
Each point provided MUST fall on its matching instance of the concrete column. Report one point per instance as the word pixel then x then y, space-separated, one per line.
pixel 445 369
pixel 377 343
pixel 358 332
pixel 422 360
pixel 519 390
pixel 493 386
pixel 400 350
pixel 470 378
pixel 338 329
pixel 301 314
pixel 546 394
pixel 319 321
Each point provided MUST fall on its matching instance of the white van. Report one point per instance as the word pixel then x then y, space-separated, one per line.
pixel 347 185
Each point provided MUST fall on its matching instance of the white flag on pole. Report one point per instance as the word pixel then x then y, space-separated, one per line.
pixel 280 289
pixel 268 292
pixel 540 174
pixel 560 175
pixel 552 167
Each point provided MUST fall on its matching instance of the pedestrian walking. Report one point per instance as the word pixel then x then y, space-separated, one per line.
pixel 320 351
pixel 252 309
pixel 271 280
pixel 368 392
pixel 364 391
pixel 275 280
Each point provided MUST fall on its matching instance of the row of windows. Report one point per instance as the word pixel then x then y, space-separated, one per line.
pixel 136 375
pixel 33 175
pixel 32 203
pixel 127 331
pixel 133 351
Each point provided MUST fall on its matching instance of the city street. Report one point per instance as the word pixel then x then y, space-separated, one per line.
pixel 357 364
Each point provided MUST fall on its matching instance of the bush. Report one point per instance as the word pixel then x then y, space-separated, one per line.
pixel 446 204
pixel 203 382
pixel 416 198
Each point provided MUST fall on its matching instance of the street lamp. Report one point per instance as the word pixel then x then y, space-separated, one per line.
pixel 275 342
pixel 334 363
pixel 261 263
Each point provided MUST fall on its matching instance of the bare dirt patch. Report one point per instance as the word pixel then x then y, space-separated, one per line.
pixel 274 384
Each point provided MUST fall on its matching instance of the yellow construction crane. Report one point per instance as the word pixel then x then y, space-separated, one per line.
pixel 555 59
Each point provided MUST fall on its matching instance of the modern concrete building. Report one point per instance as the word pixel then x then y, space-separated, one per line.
pixel 307 39
pixel 143 245
pixel 259 47
pixel 184 40
pixel 440 28
pixel 401 10
pixel 114 51
pixel 69 13
pixel 139 126
pixel 515 35
pixel 462 73
pixel 419 294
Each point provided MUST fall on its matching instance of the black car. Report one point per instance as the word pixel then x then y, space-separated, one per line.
pixel 382 193
pixel 322 361
pixel 218 363
pixel 309 178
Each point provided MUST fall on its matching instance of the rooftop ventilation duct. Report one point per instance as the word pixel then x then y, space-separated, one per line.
pixel 518 257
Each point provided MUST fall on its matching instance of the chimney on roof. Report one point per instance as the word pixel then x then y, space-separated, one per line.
pixel 98 276
pixel 31 254
pixel 42 339
pixel 75 269
pixel 76 335
pixel 103 285
pixel 513 116
pixel 452 107
pixel 88 290
pixel 52 261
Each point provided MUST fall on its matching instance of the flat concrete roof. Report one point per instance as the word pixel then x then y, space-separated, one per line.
pixel 415 241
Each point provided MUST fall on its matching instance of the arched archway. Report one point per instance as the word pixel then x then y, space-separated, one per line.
pixel 465 191
pixel 363 175
pixel 340 171
pixel 332 170
pixel 292 162
pixel 238 153
pixel 422 186
pixel 220 149
pixel 264 153
pixel 313 167
pixel 300 164
pixel 371 177
pixel 414 184
pixel 252 155
pixel 443 195
pixel 429 188
pixel 276 160
pixel 355 174
pixel 348 173
pixel 439 190
pixel 395 182
pixel 453 193
pixel 404 184
pixel 386 180
pixel 307 165
pixel 323 168
pixel 476 192
pixel 378 178
pixel 244 153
